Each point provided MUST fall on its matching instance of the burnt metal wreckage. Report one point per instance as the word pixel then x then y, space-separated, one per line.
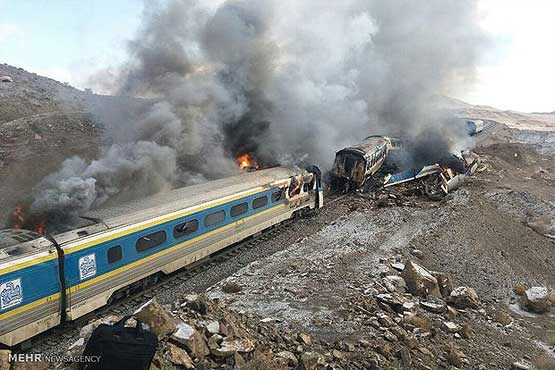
pixel 354 167
pixel 442 178
pixel 361 168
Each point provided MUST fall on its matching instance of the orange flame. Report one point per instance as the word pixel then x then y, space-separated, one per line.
pixel 18 218
pixel 21 219
pixel 41 227
pixel 247 162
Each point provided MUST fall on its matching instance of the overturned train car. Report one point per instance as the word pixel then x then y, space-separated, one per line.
pixel 354 165
pixel 45 281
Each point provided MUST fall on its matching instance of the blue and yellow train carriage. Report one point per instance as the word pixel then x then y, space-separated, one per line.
pixel 69 275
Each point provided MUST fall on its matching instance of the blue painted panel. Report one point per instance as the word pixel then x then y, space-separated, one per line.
pixel 24 286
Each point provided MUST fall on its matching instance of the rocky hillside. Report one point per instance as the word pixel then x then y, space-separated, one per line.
pixel 42 123
pixel 30 94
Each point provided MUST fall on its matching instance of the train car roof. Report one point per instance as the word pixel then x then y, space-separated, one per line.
pixel 17 242
pixel 367 146
pixel 190 196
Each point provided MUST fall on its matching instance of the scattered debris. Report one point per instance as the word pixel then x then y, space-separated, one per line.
pixel 435 180
pixel 411 175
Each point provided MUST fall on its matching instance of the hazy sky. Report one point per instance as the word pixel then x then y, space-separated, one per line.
pixel 69 39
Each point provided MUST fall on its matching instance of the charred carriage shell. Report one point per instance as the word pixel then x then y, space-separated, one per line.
pixel 354 165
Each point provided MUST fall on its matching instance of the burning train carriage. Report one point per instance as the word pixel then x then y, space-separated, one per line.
pixel 354 165
pixel 47 280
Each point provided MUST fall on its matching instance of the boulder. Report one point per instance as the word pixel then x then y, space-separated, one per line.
pixel 418 322
pixel 385 320
pixel 76 348
pixel 445 282
pixel 536 299
pixel 157 319
pixel 419 280
pixel 450 327
pixel 395 284
pixel 464 297
pixel 394 300
pixel 311 360
pixel 287 358
pixel 214 341
pixel 417 253
pixel 231 287
pixel 228 347
pixel 304 339
pixel 197 303
pixel 520 289
pixel 191 339
pixel 409 308
pixel 455 357
pixel 466 331
pixel 399 332
pixel 390 336
pixel 213 327
pixel 398 266
pixel 179 356
pixel 451 313
pixel 438 306
pixel 502 317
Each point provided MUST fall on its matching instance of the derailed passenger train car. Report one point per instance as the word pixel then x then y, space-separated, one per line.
pixel 353 166
pixel 45 281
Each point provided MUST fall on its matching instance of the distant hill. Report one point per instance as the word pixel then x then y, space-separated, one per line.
pixel 31 94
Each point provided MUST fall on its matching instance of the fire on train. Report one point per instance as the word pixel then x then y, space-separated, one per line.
pixel 48 280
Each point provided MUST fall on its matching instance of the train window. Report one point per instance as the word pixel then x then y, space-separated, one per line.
pixel 239 209
pixel 214 218
pixel 278 195
pixel 185 228
pixel 150 241
pixel 114 254
pixel 260 202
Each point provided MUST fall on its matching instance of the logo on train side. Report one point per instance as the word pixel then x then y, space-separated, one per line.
pixel 87 266
pixel 11 294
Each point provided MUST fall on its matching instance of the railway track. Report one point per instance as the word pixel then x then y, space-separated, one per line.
pixel 57 340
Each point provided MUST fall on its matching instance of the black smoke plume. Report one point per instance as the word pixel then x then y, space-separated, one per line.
pixel 286 80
